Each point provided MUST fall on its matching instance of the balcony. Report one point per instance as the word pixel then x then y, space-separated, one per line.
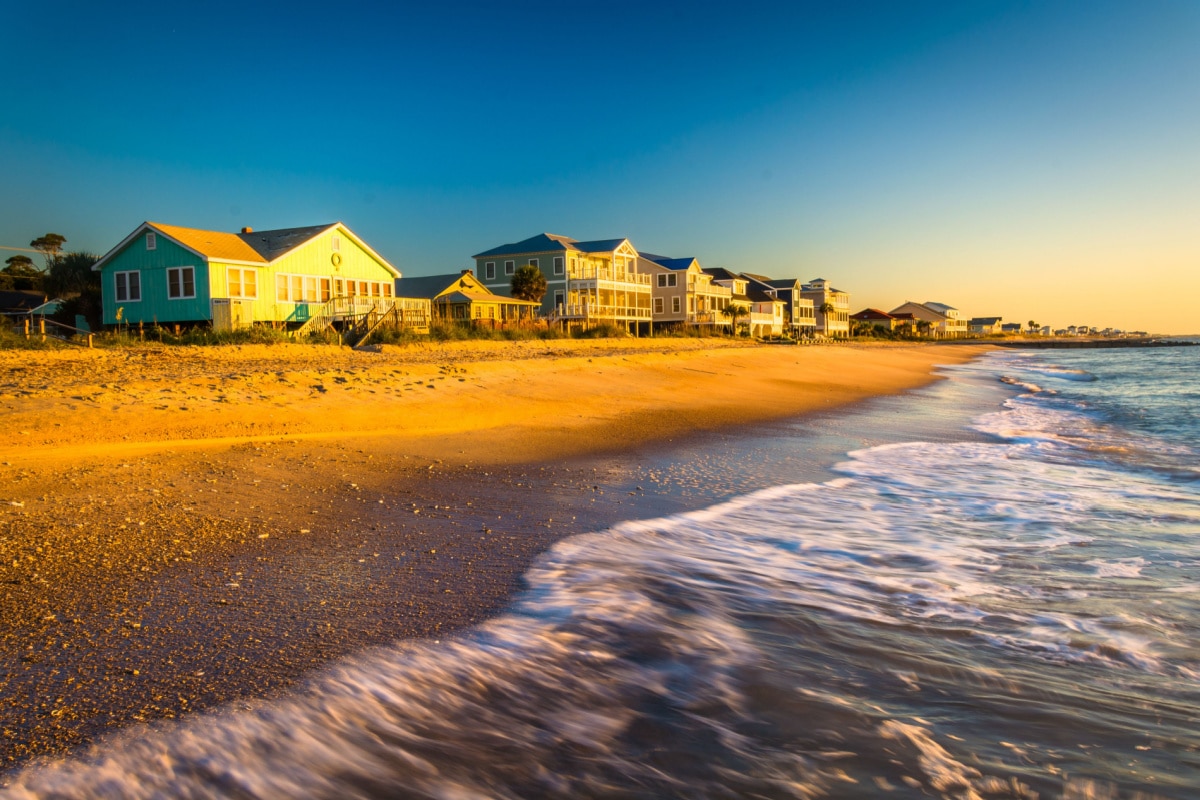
pixel 609 275
pixel 707 318
pixel 598 311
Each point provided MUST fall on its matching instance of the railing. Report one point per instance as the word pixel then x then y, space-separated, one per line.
pixel 598 311
pixel 608 274
pixel 707 318
pixel 366 314
pixel 55 330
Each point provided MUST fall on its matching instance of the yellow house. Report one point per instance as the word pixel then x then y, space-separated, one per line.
pixel 463 297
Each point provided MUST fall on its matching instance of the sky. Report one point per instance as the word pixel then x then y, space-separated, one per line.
pixel 1031 160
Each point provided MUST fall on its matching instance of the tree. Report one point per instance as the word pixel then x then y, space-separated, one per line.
pixel 528 283
pixel 1033 326
pixel 924 326
pixel 71 274
pixel 734 311
pixel 827 308
pixel 49 246
pixel 21 273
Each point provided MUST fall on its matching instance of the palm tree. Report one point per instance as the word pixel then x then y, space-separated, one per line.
pixel 733 311
pixel 1033 326
pixel 924 326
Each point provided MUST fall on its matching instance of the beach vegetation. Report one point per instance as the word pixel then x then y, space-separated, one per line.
pixel 605 330
pixel 735 311
pixel 528 283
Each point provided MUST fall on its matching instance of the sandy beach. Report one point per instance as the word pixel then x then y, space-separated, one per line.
pixel 186 527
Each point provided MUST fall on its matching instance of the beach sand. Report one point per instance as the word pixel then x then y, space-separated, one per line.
pixel 182 528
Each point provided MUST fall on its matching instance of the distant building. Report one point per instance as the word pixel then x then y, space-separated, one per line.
pixel 877 318
pixel 985 326
pixel 943 321
pixel 1012 327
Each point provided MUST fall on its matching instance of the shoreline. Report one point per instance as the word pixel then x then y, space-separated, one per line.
pixel 159 577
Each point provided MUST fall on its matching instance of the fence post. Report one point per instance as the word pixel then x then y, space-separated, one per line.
pixel 42 328
pixel 89 340
pixel 26 327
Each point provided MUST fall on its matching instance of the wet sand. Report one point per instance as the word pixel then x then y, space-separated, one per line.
pixel 184 528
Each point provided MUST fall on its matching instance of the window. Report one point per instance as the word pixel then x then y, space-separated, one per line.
pixel 242 283
pixel 151 241
pixel 658 304
pixel 363 291
pixel 181 283
pixel 129 286
pixel 662 280
pixel 326 288
pixel 489 270
pixel 335 244
pixel 339 287
pixel 387 290
pixel 558 265
pixel 558 298
pixel 674 303
pixel 508 267
pixel 666 279
pixel 533 262
pixel 672 279
pixel 281 288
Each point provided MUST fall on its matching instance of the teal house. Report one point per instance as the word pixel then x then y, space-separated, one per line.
pixel 165 274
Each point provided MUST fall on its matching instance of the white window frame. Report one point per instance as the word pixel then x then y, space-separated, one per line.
pixel 533 262
pixel 489 270
pixel 676 306
pixel 658 305
pixel 672 280
pixel 151 240
pixel 662 280
pixel 241 282
pixel 510 267
pixel 559 265
pixel 128 298
pixel 559 299
pixel 335 244
pixel 171 282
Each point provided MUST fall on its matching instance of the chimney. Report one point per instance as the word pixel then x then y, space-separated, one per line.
pixel 468 272
pixel 247 230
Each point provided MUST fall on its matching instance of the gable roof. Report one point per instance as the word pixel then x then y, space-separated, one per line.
pixel 427 286
pixel 552 242
pixel 21 299
pixel 985 320
pixel 251 247
pixel 722 274
pixel 872 313
pixel 674 263
pixel 941 308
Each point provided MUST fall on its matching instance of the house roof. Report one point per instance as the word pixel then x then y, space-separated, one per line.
pixel 551 242
pixel 255 246
pixel 674 263
pixel 782 283
pixel 427 286
pixel 481 297
pixel 985 320
pixel 904 315
pixel 21 300
pixel 941 308
pixel 252 247
pixel 722 274
pixel 759 294
pixel 872 313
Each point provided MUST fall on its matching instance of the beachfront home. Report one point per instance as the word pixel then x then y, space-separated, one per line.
pixel 461 297
pixel 588 283
pixel 1012 328
pixel 683 293
pixel 942 321
pixel 876 318
pixel 799 315
pixel 736 284
pixel 290 277
pixel 832 307
pixel 985 326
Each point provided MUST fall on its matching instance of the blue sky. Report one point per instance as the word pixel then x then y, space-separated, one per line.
pixel 1024 159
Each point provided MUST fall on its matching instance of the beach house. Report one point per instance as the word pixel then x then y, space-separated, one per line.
pixel 832 307
pixel 588 283
pixel 941 320
pixel 799 315
pixel 461 297
pixel 985 326
pixel 879 319
pixel 683 293
pixel 290 277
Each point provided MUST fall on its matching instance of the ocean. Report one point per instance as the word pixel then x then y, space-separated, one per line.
pixel 988 588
